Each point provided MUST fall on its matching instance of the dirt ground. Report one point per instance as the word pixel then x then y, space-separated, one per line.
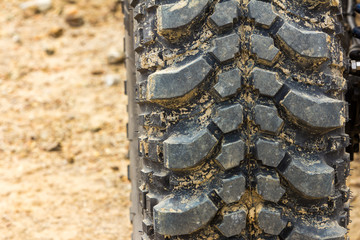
pixel 62 129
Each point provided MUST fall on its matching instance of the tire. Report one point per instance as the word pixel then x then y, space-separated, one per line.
pixel 237 119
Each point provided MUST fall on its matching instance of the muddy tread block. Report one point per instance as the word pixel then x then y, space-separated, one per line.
pixel 178 81
pixel 269 152
pixel 228 83
pixel 183 214
pixel 313 179
pixel 232 188
pixel 225 48
pixel 233 223
pixel 262 13
pixel 327 231
pixel 232 153
pixel 263 47
pixel 269 187
pixel 174 16
pixel 225 14
pixel 267 118
pixel 228 118
pixel 314 111
pixel 309 44
pixel 266 81
pixel 186 151
pixel 270 220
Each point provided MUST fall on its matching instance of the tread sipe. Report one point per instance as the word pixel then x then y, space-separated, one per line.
pixel 237 118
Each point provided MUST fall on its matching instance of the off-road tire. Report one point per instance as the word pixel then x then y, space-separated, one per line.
pixel 237 118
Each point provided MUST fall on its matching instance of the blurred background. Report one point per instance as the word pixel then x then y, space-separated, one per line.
pixel 63 147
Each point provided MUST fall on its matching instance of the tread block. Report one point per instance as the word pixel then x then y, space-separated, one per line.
pixel 330 231
pixel 313 179
pixel 176 82
pixel 228 83
pixel 225 47
pixel 177 15
pixel 262 13
pixel 315 111
pixel 270 220
pixel 185 151
pixel 232 153
pixel 309 44
pixel 266 81
pixel 264 49
pixel 269 152
pixel 232 188
pixel 181 215
pixel 269 187
pixel 267 118
pixel 228 118
pixel 225 14
pixel 233 223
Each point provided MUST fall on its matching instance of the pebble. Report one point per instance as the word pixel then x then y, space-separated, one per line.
pixel 16 38
pixel 112 80
pixel 56 32
pixel 97 71
pixel 73 17
pixel 39 5
pixel 50 51
pixel 115 56
pixel 53 147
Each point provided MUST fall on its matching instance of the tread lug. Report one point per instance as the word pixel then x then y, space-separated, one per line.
pixel 330 232
pixel 264 49
pixel 313 179
pixel 177 82
pixel 225 47
pixel 186 151
pixel 267 118
pixel 232 188
pixel 232 153
pixel 262 13
pixel 228 118
pixel 269 187
pixel 309 44
pixel 173 16
pixel 269 152
pixel 228 83
pixel 181 215
pixel 225 14
pixel 266 81
pixel 233 223
pixel 270 220
pixel 314 111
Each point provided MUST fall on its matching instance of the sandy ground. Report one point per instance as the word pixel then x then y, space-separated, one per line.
pixel 62 129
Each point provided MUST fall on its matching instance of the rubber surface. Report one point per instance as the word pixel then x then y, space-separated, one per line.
pixel 240 120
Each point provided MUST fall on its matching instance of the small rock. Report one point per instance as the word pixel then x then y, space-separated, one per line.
pixel 70 160
pixel 16 38
pixel 115 168
pixel 73 17
pixel 56 32
pixel 38 5
pixel 97 71
pixel 95 129
pixel 115 56
pixel 53 147
pixel 112 79
pixel 50 51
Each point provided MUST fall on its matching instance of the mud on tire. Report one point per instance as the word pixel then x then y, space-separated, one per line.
pixel 237 119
